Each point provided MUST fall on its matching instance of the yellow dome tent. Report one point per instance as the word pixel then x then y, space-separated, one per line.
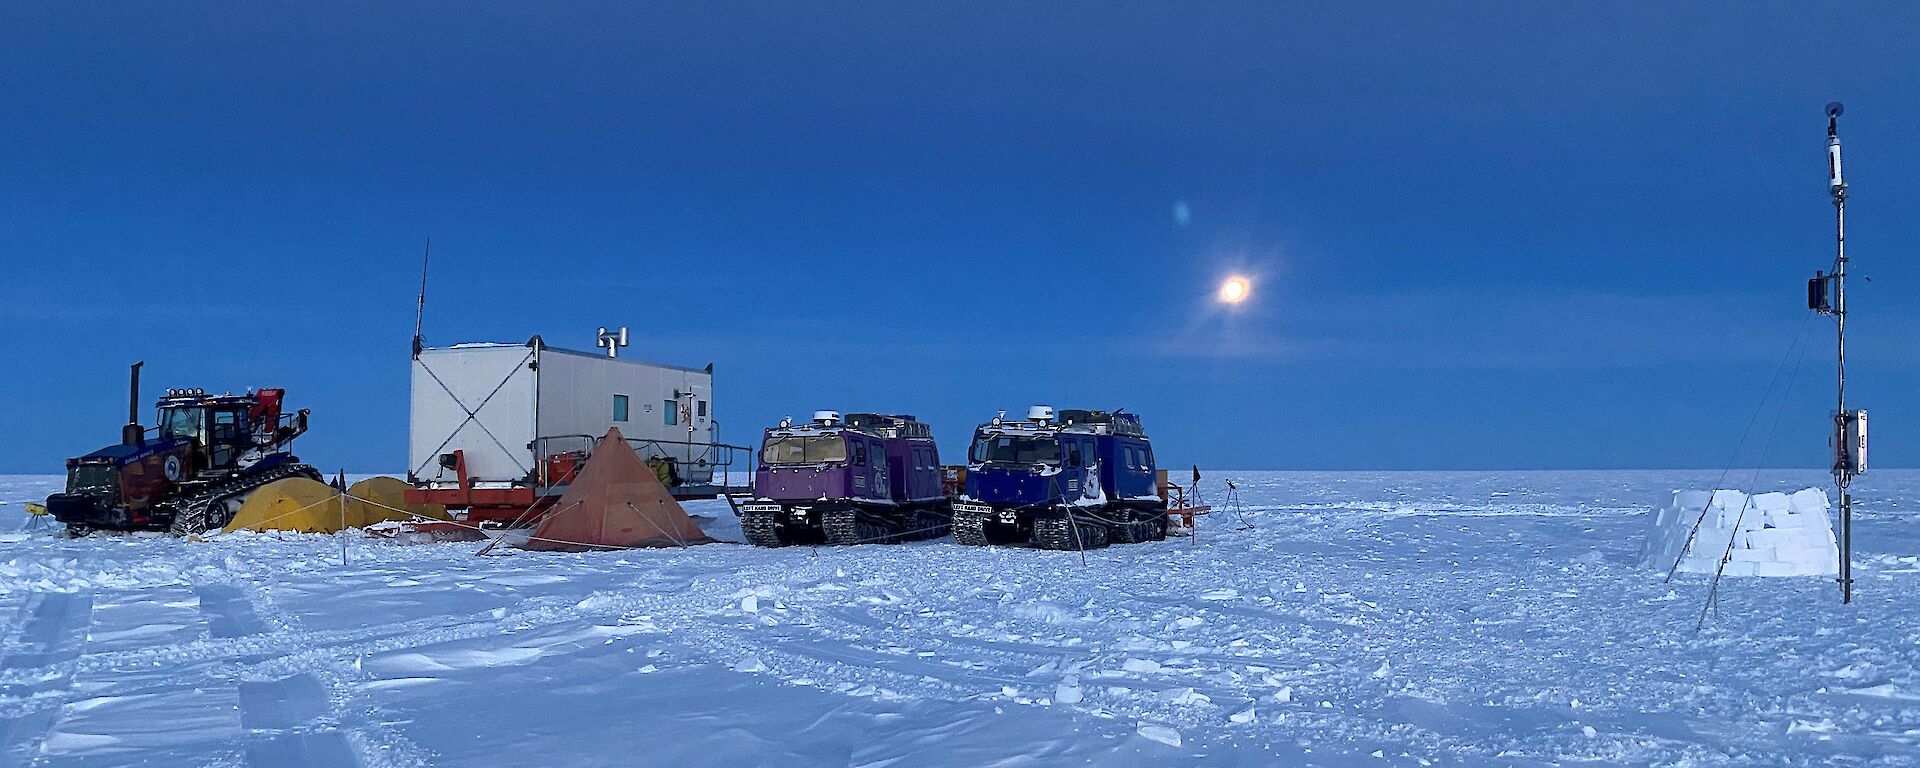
pixel 293 504
pixel 377 499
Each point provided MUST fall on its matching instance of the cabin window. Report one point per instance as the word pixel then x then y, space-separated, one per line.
pixel 860 453
pixel 669 413
pixel 181 422
pixel 702 412
pixel 224 425
pixel 1016 450
pixel 619 407
pixel 1073 454
pixel 1146 457
pixel 804 450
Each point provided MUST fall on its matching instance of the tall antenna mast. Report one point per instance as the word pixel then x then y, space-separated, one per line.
pixel 1849 427
pixel 420 310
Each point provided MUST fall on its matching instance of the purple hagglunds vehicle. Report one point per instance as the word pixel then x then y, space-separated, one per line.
pixel 868 478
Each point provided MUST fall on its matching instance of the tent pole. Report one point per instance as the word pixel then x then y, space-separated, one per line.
pixel 343 516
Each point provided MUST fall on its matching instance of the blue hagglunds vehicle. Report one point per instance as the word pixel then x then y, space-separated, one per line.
pixel 1078 481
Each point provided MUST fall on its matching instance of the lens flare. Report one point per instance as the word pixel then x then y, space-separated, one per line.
pixel 1235 290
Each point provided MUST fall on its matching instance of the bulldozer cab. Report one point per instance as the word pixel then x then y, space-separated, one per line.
pixel 218 431
pixel 224 428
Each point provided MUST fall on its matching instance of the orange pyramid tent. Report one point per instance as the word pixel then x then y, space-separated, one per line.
pixel 616 502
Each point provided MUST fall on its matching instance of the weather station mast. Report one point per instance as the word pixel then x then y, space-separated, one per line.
pixel 1827 294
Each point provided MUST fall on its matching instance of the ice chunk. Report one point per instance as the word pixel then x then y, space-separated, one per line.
pixel 1771 538
pixel 1771 502
pixel 1689 501
pixel 1045 611
pixel 1185 697
pixel 1068 692
pixel 1143 666
pixel 1810 519
pixel 1159 733
pixel 1809 500
pixel 1709 538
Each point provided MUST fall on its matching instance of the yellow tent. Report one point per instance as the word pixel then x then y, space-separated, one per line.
pixel 293 504
pixel 378 499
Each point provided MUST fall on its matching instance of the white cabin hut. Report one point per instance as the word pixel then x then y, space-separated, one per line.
pixel 507 407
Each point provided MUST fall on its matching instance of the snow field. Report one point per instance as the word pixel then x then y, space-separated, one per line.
pixel 1363 619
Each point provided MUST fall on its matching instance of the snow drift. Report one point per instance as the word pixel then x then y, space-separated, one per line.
pixel 1773 534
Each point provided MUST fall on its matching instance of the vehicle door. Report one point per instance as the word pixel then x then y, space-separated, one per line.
pixel 224 438
pixel 878 463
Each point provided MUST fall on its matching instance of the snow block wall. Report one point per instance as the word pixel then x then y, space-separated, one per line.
pixel 1773 534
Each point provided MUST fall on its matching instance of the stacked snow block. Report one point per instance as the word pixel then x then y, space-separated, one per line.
pixel 1773 534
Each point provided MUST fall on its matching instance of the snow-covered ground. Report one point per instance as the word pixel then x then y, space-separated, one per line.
pixel 1363 619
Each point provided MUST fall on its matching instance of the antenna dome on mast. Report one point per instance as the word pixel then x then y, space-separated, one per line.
pixel 1834 108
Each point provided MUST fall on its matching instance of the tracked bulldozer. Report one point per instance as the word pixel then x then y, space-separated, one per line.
pixel 190 472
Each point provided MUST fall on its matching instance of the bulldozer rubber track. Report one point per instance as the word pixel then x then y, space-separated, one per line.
pixel 1058 533
pixel 970 528
pixel 761 529
pixel 841 526
pixel 193 515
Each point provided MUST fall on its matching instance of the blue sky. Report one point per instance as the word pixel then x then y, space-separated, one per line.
pixel 1484 235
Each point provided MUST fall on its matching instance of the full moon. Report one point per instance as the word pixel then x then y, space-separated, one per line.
pixel 1235 290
